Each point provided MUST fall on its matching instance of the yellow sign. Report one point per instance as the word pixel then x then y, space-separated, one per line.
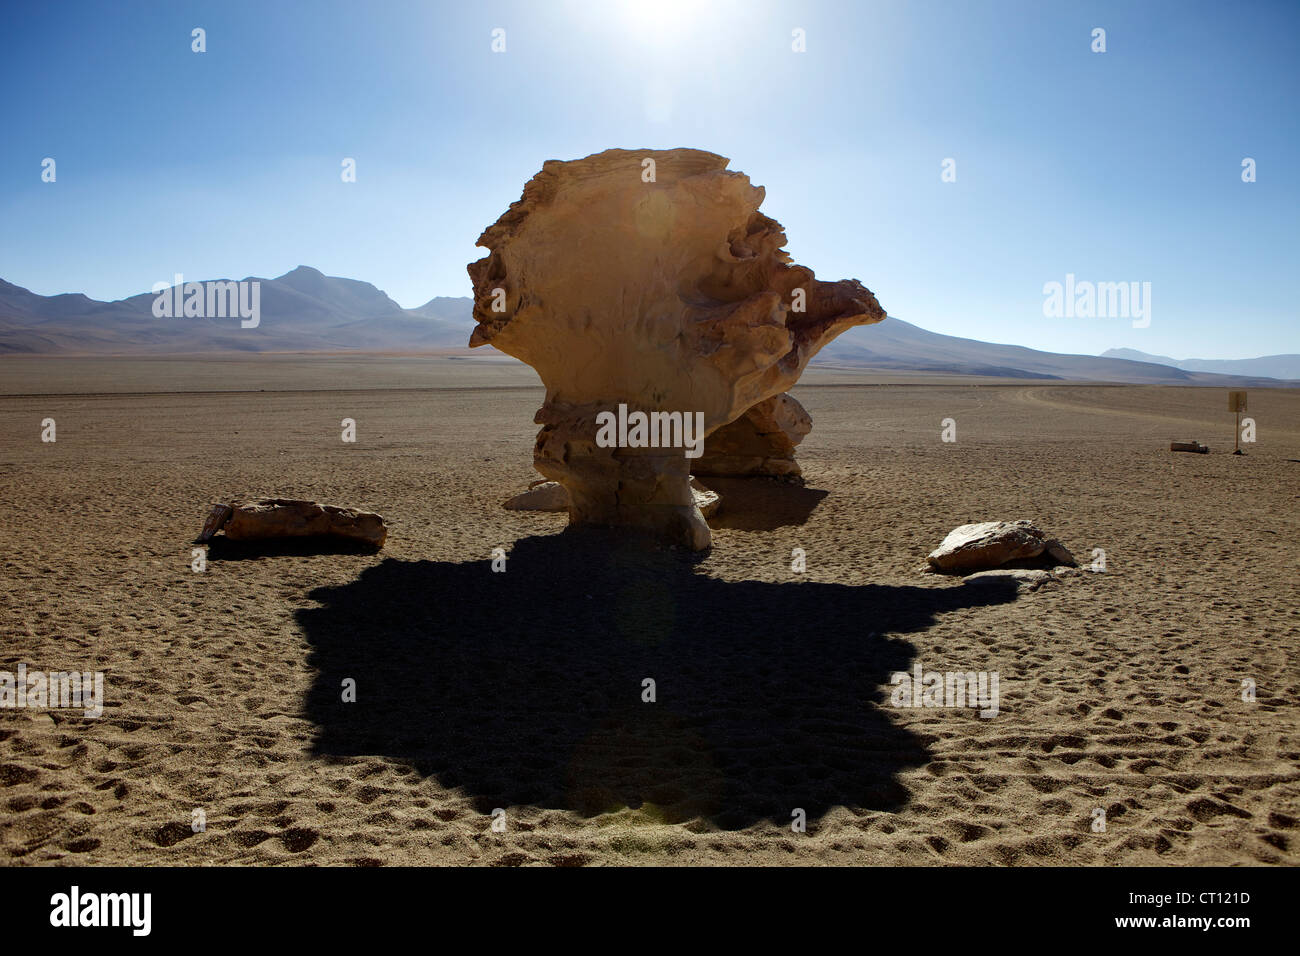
pixel 1236 401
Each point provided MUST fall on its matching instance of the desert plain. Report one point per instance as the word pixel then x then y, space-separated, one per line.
pixel 518 696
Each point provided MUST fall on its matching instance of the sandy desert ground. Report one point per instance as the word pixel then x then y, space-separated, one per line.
pixel 475 690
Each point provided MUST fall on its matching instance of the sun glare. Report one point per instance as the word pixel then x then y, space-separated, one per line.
pixel 658 19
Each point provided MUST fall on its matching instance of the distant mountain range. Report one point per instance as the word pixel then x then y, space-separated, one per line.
pixel 1270 366
pixel 307 311
pixel 301 311
pixel 896 345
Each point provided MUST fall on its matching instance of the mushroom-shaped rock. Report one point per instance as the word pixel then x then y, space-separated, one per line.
pixel 649 279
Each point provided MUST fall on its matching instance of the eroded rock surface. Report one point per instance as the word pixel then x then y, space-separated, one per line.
pixel 268 518
pixel 760 443
pixel 649 278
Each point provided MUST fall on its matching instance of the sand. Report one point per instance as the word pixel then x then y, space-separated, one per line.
pixel 1120 691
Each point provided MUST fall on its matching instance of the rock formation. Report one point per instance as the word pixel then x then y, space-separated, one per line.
pixel 648 278
pixel 760 443
pixel 996 544
pixel 286 518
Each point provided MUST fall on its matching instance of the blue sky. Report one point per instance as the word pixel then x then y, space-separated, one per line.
pixel 1115 166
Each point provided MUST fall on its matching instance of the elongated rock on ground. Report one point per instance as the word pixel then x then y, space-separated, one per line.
pixel 268 518
pixel 648 280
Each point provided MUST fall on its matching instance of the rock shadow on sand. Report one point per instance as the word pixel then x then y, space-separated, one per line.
pixel 762 504
pixel 525 687
pixel 222 548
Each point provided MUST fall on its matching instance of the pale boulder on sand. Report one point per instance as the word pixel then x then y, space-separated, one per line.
pixel 541 495
pixel 993 544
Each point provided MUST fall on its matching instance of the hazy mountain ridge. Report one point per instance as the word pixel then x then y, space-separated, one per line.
pixel 307 311
pixel 302 310
pixel 1284 366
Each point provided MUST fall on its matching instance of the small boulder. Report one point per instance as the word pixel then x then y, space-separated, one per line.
pixel 706 499
pixel 541 496
pixel 287 518
pixel 994 544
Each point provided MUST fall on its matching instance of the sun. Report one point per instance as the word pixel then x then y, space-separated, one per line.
pixel 659 18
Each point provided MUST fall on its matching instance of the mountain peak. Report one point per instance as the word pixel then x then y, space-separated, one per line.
pixel 303 272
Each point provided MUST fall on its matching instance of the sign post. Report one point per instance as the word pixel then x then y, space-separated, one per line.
pixel 1237 403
